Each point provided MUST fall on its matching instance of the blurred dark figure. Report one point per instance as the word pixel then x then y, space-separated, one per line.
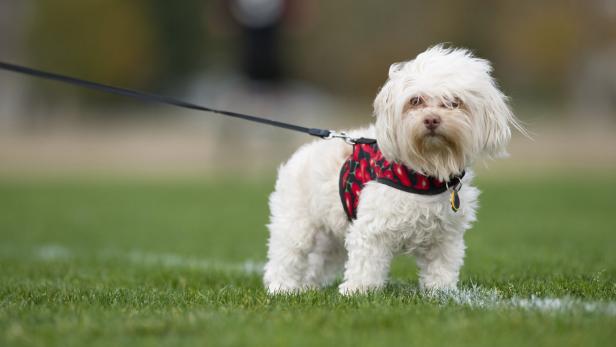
pixel 260 22
pixel 263 36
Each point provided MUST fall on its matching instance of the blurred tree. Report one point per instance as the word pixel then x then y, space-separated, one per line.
pixel 142 44
pixel 180 33
pixel 110 41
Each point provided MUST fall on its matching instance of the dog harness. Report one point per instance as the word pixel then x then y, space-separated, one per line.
pixel 368 164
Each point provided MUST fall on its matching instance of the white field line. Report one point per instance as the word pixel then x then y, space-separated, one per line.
pixel 178 261
pixel 490 298
pixel 167 260
pixel 474 297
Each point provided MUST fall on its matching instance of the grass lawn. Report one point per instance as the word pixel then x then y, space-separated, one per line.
pixel 177 262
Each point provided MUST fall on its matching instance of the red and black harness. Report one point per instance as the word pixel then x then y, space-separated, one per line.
pixel 368 164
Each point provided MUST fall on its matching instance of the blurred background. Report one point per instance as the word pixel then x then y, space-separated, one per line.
pixel 315 63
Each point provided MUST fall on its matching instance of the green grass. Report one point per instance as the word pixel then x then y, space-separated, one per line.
pixel 130 262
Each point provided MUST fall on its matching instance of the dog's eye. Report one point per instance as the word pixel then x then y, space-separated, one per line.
pixel 416 101
pixel 455 103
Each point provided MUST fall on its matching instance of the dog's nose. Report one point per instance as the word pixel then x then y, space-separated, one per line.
pixel 432 121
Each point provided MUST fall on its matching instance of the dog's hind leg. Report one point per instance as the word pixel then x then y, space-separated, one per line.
pixel 326 261
pixel 288 249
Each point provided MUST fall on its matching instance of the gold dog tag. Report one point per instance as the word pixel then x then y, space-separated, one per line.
pixel 455 201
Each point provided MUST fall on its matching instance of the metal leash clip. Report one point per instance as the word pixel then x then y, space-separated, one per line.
pixel 340 135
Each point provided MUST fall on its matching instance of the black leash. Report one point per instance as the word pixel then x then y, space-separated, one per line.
pixel 322 133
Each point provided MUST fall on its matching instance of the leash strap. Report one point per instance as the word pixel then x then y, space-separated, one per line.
pixel 322 133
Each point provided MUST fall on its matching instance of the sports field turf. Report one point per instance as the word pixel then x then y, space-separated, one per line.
pixel 177 262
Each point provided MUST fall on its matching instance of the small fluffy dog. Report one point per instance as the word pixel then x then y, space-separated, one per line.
pixel 357 206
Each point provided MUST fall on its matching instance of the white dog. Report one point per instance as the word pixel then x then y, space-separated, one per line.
pixel 435 116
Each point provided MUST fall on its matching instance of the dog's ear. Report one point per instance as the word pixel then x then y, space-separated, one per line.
pixel 385 113
pixel 495 118
pixel 384 101
pixel 395 68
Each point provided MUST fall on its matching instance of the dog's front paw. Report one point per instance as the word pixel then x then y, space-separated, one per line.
pixel 348 288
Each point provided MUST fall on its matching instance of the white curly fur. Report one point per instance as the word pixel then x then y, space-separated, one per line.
pixel 311 239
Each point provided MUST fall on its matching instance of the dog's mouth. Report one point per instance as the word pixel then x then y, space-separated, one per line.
pixel 433 138
pixel 433 133
pixel 433 142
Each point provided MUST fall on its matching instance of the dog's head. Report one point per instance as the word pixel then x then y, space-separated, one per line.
pixel 441 111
